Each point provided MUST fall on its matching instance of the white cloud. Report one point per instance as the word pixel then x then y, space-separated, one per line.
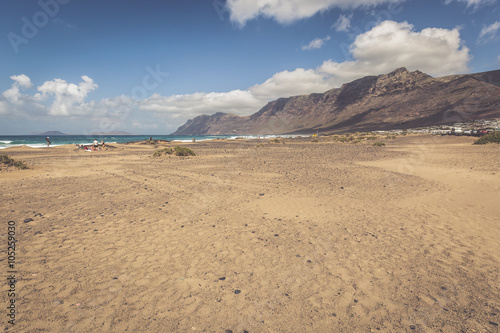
pixel 475 4
pixel 13 95
pixel 141 125
pixel 192 105
pixel 343 23
pixel 56 97
pixel 488 33
pixel 15 104
pixel 286 83
pixel 109 114
pixel 67 96
pixel 391 44
pixel 4 108
pixel 116 108
pixel 22 80
pixel 316 43
pixel 287 11
pixel 242 102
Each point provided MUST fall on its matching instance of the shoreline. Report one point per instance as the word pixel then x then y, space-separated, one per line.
pixel 322 138
pixel 14 141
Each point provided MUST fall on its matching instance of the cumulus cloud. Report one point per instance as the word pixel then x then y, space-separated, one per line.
pixel 241 102
pixel 67 96
pixel 488 33
pixel 343 23
pixel 192 105
pixel 116 108
pixel 287 11
pixel 290 83
pixel 22 80
pixel 108 114
pixel 14 95
pixel 391 44
pixel 60 98
pixel 316 43
pixel 56 97
pixel 14 103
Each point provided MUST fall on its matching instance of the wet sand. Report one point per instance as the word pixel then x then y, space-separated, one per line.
pixel 257 237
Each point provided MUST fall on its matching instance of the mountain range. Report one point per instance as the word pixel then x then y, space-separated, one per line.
pixel 398 100
pixel 49 133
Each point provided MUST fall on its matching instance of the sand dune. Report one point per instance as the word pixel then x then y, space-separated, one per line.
pixel 245 236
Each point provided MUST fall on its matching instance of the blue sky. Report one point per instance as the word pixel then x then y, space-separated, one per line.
pixel 145 67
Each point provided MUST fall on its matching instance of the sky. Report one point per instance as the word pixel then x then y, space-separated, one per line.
pixel 146 67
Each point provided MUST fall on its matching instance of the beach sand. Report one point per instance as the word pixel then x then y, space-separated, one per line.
pixel 256 237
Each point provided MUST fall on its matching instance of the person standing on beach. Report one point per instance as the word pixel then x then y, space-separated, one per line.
pixel 48 141
pixel 96 144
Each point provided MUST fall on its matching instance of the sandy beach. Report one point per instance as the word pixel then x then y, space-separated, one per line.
pixel 251 236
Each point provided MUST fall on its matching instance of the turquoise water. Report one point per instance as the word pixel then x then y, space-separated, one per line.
pixel 38 141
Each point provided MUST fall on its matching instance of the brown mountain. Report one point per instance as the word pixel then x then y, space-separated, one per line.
pixel 398 100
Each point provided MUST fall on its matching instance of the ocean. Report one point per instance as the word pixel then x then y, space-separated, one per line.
pixel 38 141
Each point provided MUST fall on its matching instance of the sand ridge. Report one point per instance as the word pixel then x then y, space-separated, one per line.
pixel 258 237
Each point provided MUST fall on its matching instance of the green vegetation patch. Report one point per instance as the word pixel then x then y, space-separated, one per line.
pixel 379 144
pixel 358 137
pixel 177 151
pixel 183 151
pixel 493 137
pixel 8 161
pixel 164 151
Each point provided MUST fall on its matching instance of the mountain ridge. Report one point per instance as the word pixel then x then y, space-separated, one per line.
pixel 49 133
pixel 397 100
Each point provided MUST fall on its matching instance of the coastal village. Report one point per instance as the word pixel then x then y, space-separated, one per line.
pixel 472 128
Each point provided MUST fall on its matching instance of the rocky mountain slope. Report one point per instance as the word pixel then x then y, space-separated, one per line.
pixel 400 99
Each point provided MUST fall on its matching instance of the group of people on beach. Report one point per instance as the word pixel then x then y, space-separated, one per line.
pixel 94 146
